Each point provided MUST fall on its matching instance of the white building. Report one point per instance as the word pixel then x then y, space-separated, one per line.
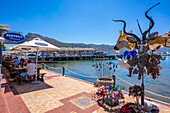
pixel 68 51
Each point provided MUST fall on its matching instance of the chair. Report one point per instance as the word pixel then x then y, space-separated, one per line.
pixel 19 79
pixel 30 78
pixel 41 76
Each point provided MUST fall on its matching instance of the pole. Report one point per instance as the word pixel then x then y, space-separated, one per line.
pixel 27 54
pixel 142 96
pixel 114 79
pixel 21 54
pixel 36 82
pixel 63 71
pixel 1 35
pixel 36 62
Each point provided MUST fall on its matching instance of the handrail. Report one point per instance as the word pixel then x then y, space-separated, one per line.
pixel 84 75
pixel 145 90
pixel 53 67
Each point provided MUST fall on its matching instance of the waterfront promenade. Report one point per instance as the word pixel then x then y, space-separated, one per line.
pixel 57 94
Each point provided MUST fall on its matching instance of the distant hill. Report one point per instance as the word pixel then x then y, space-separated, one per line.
pixel 30 36
pixel 102 47
pixel 163 50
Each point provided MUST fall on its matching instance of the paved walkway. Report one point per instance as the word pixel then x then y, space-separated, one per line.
pixel 64 94
pixel 10 100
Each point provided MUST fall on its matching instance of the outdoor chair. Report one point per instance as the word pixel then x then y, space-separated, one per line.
pixel 31 78
pixel 13 74
pixel 19 79
pixel 41 76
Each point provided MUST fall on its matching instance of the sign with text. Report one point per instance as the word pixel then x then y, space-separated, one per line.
pixel 41 44
pixel 13 37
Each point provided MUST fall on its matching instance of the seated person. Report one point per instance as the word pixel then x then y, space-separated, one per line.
pixel 7 59
pixel 23 76
pixel 10 59
pixel 3 57
pixel 16 60
pixel 23 73
pixel 23 63
pixel 31 69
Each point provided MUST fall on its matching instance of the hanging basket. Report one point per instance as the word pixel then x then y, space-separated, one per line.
pixel 110 102
pixel 104 81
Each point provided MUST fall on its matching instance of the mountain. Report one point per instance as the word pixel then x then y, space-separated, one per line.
pixel 102 47
pixel 30 36
pixel 163 50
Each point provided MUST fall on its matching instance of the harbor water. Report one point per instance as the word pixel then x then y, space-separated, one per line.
pixel 160 85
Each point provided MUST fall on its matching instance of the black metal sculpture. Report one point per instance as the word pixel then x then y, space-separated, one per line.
pixel 141 60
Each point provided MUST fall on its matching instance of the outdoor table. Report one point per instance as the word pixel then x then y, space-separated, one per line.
pixel 7 63
pixel 40 76
pixel 19 70
pixel 38 70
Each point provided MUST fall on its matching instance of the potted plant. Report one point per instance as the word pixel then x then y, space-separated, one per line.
pixel 111 94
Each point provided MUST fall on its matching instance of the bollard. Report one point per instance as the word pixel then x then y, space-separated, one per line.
pixel 114 79
pixel 63 71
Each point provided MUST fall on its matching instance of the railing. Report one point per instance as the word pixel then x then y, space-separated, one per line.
pixel 63 68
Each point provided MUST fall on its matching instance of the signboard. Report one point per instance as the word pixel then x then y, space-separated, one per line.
pixel 41 44
pixel 26 48
pixel 13 37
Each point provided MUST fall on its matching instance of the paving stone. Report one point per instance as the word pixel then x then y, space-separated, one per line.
pixel 46 96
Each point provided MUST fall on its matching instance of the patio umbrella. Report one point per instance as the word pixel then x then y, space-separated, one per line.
pixel 14 50
pixel 37 45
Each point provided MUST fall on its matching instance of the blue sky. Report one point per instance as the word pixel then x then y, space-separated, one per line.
pixel 83 21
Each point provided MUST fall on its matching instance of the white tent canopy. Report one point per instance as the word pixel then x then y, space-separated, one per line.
pixel 36 44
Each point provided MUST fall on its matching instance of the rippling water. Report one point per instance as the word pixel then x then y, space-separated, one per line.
pixel 160 85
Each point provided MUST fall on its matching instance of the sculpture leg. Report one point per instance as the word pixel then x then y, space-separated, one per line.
pixel 130 71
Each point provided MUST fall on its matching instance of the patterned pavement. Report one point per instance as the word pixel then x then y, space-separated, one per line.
pixel 45 96
pixel 61 94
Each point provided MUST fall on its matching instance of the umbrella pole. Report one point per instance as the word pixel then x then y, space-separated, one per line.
pixel 36 82
pixel 36 63
pixel 21 54
pixel 27 54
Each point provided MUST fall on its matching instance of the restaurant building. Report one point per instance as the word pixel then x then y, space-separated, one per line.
pixel 67 51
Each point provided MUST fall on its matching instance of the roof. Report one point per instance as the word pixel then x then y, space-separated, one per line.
pixel 5 27
pixel 76 49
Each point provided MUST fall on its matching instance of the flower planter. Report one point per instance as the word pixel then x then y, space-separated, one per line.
pixel 110 102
